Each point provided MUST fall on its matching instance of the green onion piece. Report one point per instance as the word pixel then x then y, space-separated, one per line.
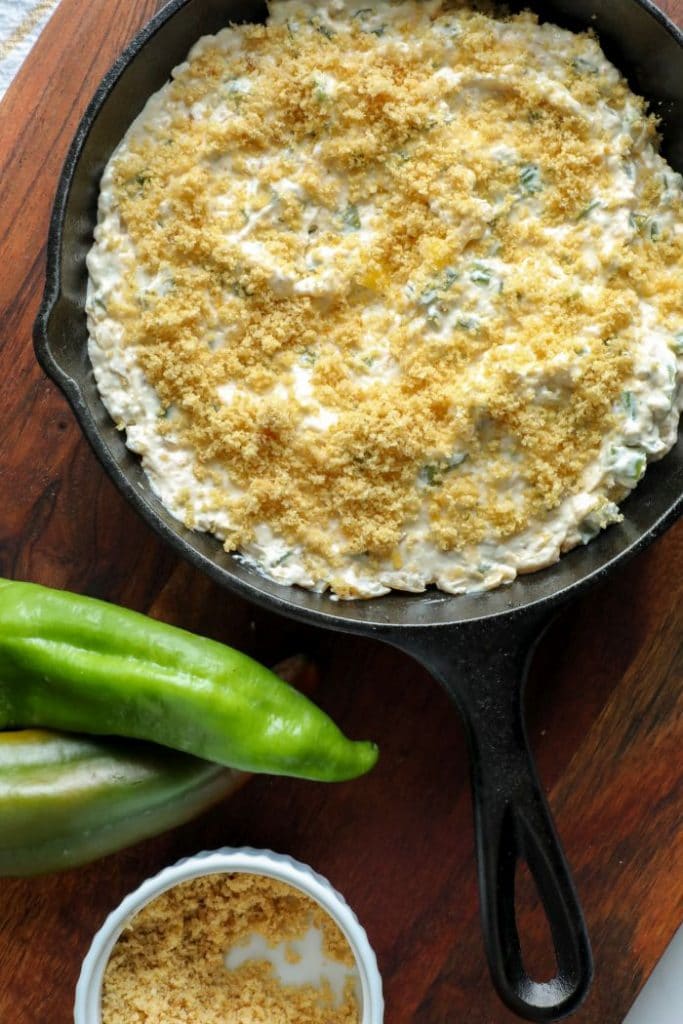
pixel 468 323
pixel 283 558
pixel 584 67
pixel 481 275
pixel 587 210
pixel 428 474
pixel 428 296
pixel 530 179
pixel 351 218
pixel 628 400
pixel 638 222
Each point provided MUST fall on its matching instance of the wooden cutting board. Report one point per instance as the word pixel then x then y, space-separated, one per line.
pixel 605 697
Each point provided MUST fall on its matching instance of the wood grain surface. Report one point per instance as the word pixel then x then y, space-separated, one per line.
pixel 604 700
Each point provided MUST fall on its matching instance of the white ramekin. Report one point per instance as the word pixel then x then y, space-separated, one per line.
pixel 87 1008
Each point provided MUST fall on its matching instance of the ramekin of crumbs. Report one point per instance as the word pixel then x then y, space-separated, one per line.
pixel 233 936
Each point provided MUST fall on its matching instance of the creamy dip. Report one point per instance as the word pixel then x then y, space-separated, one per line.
pixel 387 295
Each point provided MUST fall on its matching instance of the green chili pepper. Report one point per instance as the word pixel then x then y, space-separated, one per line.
pixel 82 665
pixel 66 800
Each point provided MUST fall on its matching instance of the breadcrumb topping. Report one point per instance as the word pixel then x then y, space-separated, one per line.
pixel 169 962
pixel 328 199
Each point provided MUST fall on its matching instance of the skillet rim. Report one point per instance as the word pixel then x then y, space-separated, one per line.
pixel 497 605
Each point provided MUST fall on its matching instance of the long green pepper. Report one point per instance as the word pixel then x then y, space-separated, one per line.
pixel 66 799
pixel 82 665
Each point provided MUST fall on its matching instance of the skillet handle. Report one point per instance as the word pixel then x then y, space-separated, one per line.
pixel 483 666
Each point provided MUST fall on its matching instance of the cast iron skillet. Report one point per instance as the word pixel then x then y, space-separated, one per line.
pixel 479 646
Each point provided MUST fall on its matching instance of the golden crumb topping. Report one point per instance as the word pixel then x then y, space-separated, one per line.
pixel 407 258
pixel 170 962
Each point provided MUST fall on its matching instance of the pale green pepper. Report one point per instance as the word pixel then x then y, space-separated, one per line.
pixel 81 665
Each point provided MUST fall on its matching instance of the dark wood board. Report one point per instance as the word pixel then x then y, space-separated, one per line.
pixel 605 700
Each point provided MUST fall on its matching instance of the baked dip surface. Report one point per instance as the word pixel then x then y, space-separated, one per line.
pixel 390 295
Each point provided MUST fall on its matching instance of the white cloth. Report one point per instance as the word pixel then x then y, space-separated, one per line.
pixel 21 22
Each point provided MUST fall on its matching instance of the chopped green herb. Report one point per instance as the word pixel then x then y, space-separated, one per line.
pixel 468 323
pixel 432 473
pixel 240 290
pixel 451 28
pixel 365 12
pixel 587 210
pixel 584 67
pixel 638 222
pixel 283 558
pixel 237 89
pixel 136 185
pixel 99 303
pixel 442 282
pixel 428 296
pixel 645 226
pixel 627 464
pixel 320 93
pixel 351 218
pixel 628 400
pixel 678 343
pixel 638 467
pixel 530 179
pixel 481 275
pixel 321 27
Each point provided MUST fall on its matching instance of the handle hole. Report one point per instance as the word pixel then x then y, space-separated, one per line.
pixel 535 937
